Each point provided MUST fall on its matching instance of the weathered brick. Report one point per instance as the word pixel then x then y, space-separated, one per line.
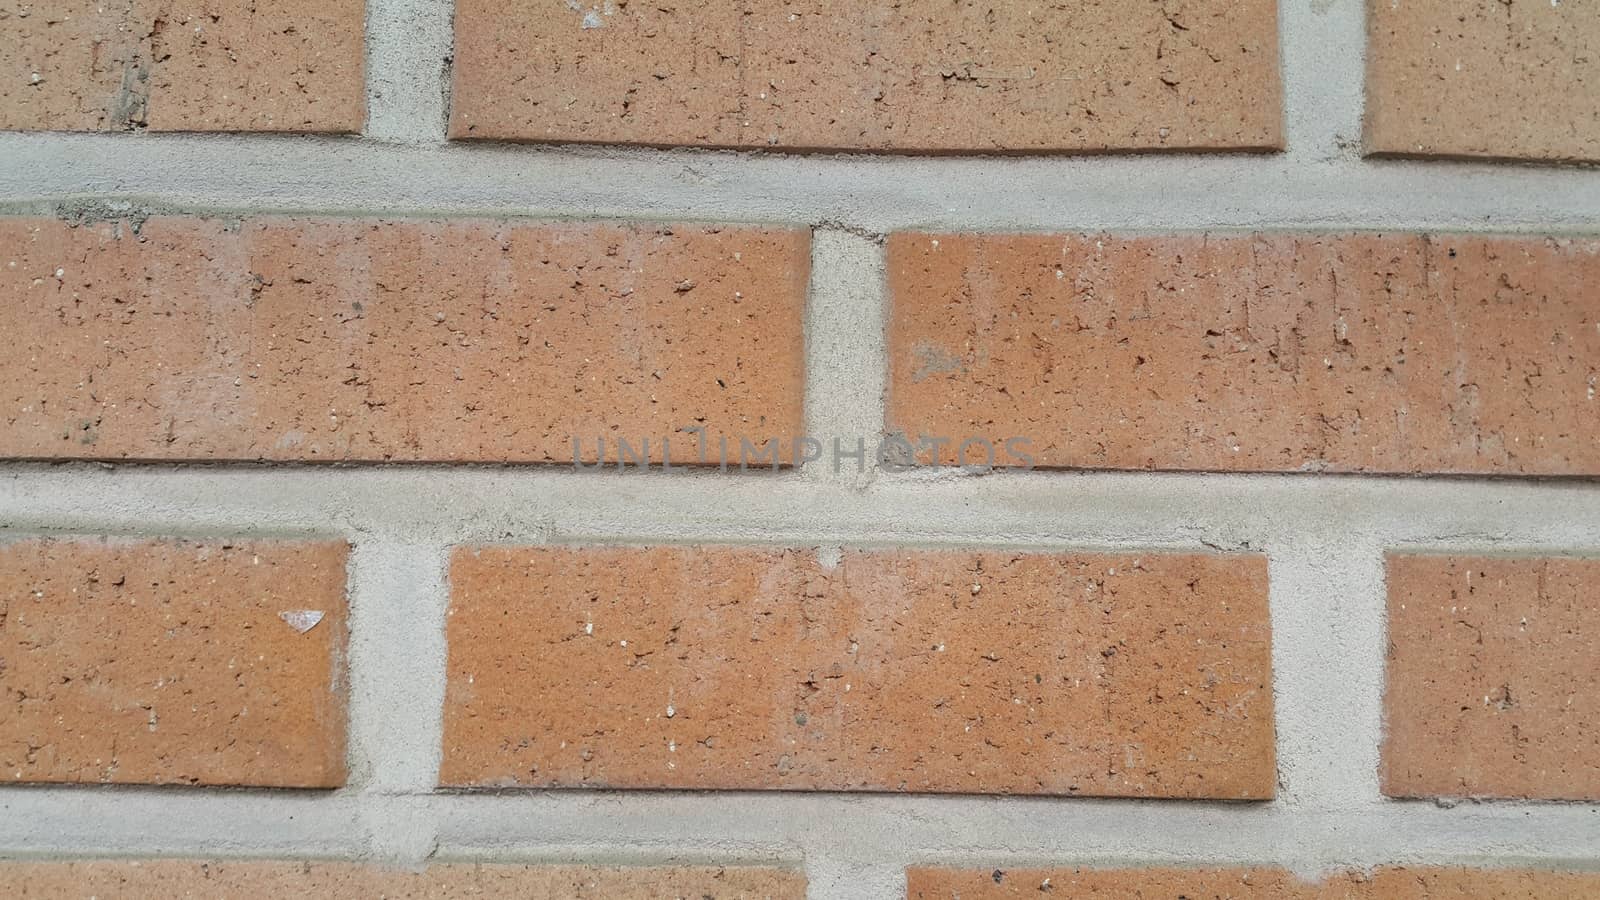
pixel 319 339
pixel 173 662
pixel 1494 679
pixel 182 65
pixel 909 76
pixel 1509 80
pixel 327 881
pixel 1387 883
pixel 926 671
pixel 1345 353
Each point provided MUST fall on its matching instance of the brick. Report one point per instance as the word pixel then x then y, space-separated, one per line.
pixel 352 340
pixel 909 76
pixel 1387 883
pixel 1504 80
pixel 1278 353
pixel 1493 679
pixel 334 881
pixel 924 671
pixel 173 662
pixel 182 65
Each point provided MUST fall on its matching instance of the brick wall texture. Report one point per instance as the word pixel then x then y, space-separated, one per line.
pixel 181 65
pixel 318 340
pixel 1266 353
pixel 1093 675
pixel 914 76
pixel 397 500
pixel 1493 682
pixel 328 881
pixel 174 662
pixel 1508 80
pixel 1387 883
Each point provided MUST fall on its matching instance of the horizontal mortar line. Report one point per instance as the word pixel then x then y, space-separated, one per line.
pixel 257 173
pixel 867 827
pixel 1296 513
pixel 924 829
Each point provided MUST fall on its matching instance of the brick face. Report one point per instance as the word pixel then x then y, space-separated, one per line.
pixel 181 65
pixel 172 662
pixel 1345 353
pixel 329 881
pixel 1494 682
pixel 931 671
pixel 340 340
pixel 1387 883
pixel 910 76
pixel 1509 80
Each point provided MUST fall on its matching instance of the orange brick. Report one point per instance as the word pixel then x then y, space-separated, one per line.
pixel 334 881
pixel 1389 883
pixel 1278 353
pixel 1509 80
pixel 910 76
pixel 182 65
pixel 173 662
pixel 1494 680
pixel 930 671
pixel 337 340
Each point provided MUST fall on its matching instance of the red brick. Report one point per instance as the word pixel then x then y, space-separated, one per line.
pixel 173 662
pixel 328 881
pixel 1389 883
pixel 182 65
pixel 1279 353
pixel 1509 80
pixel 910 76
pixel 339 340
pixel 925 671
pixel 1494 679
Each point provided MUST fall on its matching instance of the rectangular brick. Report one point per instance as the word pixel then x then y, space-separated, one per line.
pixel 922 671
pixel 182 65
pixel 918 76
pixel 1279 353
pixel 334 881
pixel 1386 883
pixel 1494 679
pixel 173 662
pixel 356 340
pixel 1506 80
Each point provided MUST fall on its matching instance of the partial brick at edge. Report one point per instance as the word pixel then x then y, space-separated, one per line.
pixel 1386 883
pixel 911 76
pixel 173 662
pixel 1493 683
pixel 368 340
pixel 1369 353
pixel 886 670
pixel 1497 80
pixel 451 881
pixel 225 65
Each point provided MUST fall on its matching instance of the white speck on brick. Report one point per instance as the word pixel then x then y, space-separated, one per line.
pixel 301 620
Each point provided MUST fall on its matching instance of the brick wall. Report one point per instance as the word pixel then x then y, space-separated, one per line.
pixel 790 449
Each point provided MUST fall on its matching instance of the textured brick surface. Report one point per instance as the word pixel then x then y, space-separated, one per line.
pixel 1494 679
pixel 294 339
pixel 181 65
pixel 1345 353
pixel 327 881
pixel 1390 883
pixel 912 75
pixel 172 662
pixel 938 671
pixel 1506 79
